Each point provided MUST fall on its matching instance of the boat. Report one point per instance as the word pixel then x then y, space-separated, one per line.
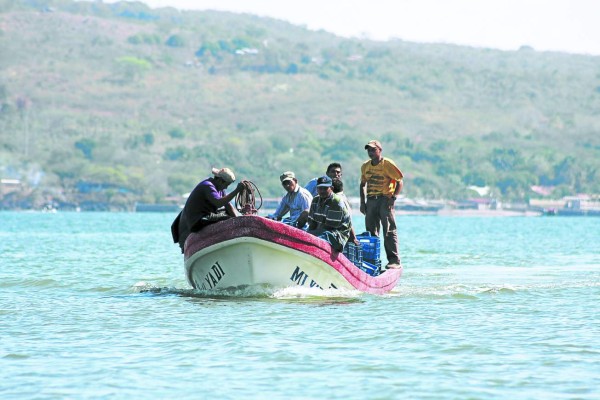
pixel 253 250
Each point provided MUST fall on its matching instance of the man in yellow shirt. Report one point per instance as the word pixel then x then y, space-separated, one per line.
pixel 380 184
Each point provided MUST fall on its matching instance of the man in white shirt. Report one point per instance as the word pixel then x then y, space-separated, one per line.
pixel 296 202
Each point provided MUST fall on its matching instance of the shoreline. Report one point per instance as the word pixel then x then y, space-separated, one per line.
pixel 448 213
pixel 398 212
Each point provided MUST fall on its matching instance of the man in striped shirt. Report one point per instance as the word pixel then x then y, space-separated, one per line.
pixel 381 179
pixel 329 219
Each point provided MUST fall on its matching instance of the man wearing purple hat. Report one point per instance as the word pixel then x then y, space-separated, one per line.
pixel 207 204
pixel 380 184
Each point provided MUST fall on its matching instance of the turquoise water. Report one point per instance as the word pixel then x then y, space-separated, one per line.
pixel 95 305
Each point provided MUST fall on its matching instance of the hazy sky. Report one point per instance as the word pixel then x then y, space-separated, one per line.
pixel 562 25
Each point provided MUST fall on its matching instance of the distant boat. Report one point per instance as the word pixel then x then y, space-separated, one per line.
pixel 49 208
pixel 252 250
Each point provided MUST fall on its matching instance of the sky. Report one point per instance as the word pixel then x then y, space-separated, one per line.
pixel 571 26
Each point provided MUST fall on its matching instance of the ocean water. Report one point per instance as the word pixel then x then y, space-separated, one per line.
pixel 95 305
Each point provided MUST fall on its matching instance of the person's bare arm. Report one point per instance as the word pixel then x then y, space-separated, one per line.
pixel 302 219
pixel 399 186
pixel 397 190
pixel 230 210
pixel 363 204
pixel 223 201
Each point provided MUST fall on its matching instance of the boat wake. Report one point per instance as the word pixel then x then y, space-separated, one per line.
pixel 254 292
pixel 463 291
pixel 314 294
pixel 482 290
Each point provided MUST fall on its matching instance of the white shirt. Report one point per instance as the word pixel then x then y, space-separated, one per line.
pixel 295 202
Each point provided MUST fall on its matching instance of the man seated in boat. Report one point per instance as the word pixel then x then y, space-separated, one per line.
pixel 296 201
pixel 338 188
pixel 207 204
pixel 329 218
pixel 334 171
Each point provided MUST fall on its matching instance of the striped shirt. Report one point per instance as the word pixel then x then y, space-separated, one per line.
pixel 381 179
pixel 330 215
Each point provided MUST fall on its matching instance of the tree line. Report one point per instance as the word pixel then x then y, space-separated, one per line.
pixel 140 103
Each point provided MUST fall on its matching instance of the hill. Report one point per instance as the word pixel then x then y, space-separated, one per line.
pixel 115 103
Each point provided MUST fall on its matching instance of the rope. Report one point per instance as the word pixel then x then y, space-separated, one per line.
pixel 245 201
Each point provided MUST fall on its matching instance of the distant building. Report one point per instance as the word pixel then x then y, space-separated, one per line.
pixel 543 190
pixel 9 186
pixel 582 204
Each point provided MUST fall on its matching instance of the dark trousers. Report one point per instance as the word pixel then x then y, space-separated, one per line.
pixel 379 215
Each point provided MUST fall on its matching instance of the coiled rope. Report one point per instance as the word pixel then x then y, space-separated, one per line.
pixel 245 201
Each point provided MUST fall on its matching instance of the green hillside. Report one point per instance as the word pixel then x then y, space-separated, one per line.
pixel 117 103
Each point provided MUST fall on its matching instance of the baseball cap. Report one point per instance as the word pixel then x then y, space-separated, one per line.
pixel 373 143
pixel 224 173
pixel 287 176
pixel 324 181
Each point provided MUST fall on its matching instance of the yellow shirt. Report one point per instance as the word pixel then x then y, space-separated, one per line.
pixel 381 178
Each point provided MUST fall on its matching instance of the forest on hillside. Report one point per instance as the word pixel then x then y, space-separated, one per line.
pixel 118 103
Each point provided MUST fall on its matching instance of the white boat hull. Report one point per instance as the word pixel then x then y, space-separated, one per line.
pixel 251 261
pixel 252 250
